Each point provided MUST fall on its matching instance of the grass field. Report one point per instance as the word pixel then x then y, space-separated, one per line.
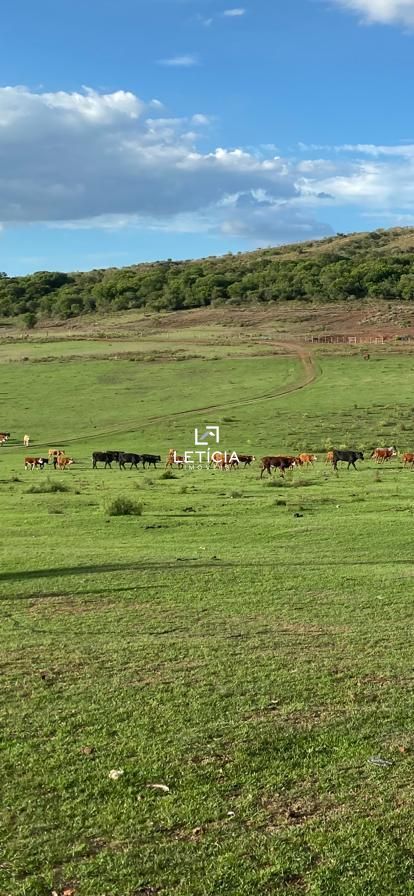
pixel 247 644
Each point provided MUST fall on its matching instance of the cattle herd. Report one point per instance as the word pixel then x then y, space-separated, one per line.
pixel 55 456
pixel 219 460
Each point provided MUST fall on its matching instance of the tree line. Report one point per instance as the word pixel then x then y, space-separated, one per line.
pixel 330 270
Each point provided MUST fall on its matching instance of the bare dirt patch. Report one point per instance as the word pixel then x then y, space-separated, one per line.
pixel 284 811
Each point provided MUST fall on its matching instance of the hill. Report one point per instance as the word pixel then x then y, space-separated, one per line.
pixel 378 264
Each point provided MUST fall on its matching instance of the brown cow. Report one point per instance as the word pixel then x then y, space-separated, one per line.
pixel 382 454
pixel 307 459
pixel 63 462
pixel 329 457
pixel 174 458
pixel 408 458
pixel 31 462
pixel 223 459
pixel 280 462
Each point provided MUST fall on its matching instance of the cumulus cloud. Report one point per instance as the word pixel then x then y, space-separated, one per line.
pixel 251 215
pixel 385 12
pixel 89 159
pixel 69 159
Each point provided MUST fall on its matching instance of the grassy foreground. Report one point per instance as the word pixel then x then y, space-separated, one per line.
pixel 247 645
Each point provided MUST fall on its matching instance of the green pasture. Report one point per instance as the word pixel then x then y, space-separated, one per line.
pixel 148 348
pixel 245 643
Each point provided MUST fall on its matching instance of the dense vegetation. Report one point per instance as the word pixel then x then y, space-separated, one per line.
pixel 368 265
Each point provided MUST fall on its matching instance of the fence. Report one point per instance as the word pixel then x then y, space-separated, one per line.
pixel 347 340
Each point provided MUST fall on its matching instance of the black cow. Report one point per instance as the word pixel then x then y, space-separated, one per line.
pixel 245 459
pixel 133 459
pixel 349 457
pixel 106 457
pixel 151 460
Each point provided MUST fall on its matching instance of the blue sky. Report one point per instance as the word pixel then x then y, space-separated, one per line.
pixel 133 130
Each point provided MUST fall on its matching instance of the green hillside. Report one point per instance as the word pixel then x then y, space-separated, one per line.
pixel 379 264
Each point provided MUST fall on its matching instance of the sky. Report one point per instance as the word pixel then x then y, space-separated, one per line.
pixel 136 130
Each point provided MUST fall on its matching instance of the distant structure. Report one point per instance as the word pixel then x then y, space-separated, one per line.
pixel 346 340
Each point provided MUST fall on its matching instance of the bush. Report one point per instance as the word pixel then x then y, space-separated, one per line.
pixel 235 494
pixel 168 474
pixel 124 507
pixel 48 486
pixel 183 489
pixel 29 319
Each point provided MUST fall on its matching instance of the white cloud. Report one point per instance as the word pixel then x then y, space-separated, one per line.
pixel 200 119
pixel 180 61
pixel 385 12
pixel 111 160
pixel 233 13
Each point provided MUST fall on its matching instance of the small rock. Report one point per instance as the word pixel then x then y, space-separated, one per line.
pixel 116 773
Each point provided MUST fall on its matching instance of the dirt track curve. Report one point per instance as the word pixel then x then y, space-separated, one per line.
pixel 309 375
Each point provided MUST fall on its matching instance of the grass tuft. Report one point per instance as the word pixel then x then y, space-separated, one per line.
pixel 123 506
pixel 277 483
pixel 48 487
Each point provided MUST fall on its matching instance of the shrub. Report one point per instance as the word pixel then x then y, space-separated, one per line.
pixel 29 319
pixel 124 507
pixel 235 494
pixel 48 486
pixel 280 502
pixel 183 489
pixel 168 474
pixel 277 483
